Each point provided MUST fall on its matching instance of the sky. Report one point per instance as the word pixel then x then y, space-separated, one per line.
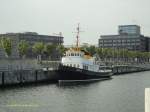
pixel 96 17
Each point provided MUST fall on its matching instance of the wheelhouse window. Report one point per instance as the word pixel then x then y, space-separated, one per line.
pixel 85 67
pixel 72 54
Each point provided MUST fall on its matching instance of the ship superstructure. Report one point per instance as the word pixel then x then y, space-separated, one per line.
pixel 78 64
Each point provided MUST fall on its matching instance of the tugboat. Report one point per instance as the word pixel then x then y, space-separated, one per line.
pixel 80 65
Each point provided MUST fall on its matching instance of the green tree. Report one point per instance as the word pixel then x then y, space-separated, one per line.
pixel 139 56
pixel 0 42
pixel 23 47
pixel 145 56
pixel 61 49
pixel 38 48
pixel 84 47
pixel 104 52
pixel 99 52
pixel 49 49
pixel 6 44
pixel 91 49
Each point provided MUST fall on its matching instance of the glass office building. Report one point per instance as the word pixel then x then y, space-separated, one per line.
pixel 128 37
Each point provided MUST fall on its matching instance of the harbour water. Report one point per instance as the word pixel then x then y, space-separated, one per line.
pixel 123 93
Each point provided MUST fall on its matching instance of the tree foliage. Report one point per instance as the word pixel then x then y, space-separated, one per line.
pixel 38 48
pixel 61 49
pixel 49 48
pixel 6 44
pixel 117 54
pixel 23 47
pixel 91 49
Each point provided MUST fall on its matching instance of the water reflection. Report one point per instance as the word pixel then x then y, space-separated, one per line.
pixel 123 93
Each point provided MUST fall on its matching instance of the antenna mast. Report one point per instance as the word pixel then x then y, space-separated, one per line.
pixel 78 32
pixel 77 36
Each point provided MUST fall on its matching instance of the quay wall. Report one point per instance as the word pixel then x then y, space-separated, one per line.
pixel 23 71
pixel 127 69
pixel 26 71
pixel 25 76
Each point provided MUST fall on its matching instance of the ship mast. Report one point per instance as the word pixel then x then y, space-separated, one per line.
pixel 78 32
pixel 78 35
